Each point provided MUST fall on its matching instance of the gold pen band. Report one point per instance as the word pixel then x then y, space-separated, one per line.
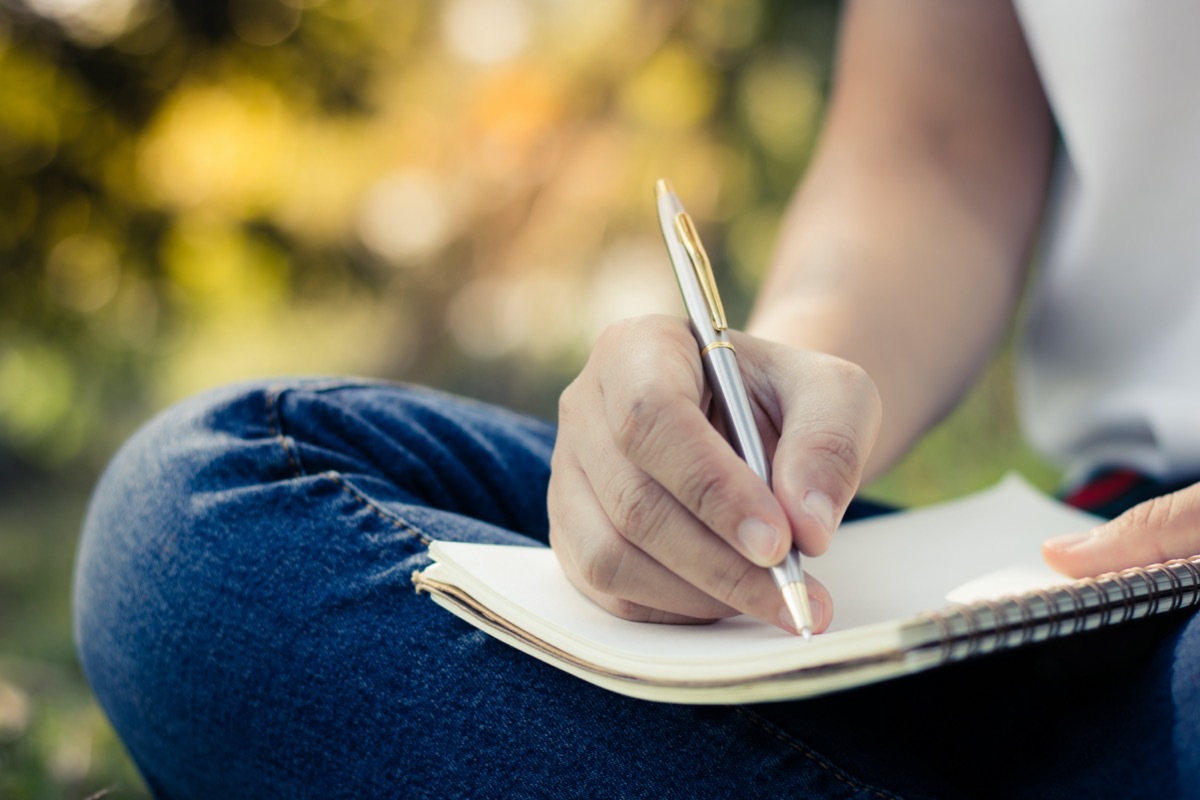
pixel 702 268
pixel 714 345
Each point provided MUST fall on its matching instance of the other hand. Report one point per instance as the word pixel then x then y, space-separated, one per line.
pixel 1157 530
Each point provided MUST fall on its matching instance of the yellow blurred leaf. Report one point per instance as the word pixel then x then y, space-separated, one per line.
pixel 228 148
pixel 221 271
pixel 675 90
pixel 781 101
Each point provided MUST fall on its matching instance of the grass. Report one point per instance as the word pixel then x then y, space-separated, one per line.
pixel 54 740
pixel 972 448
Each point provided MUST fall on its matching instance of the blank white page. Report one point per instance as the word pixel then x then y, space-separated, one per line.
pixel 880 571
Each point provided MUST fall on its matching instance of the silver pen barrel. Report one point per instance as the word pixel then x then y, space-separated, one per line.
pixel 721 370
pixel 693 272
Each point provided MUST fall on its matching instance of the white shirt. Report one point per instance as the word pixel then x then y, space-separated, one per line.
pixel 1109 358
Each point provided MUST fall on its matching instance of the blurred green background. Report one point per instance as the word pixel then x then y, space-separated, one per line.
pixel 456 193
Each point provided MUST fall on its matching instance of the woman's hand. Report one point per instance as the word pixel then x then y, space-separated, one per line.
pixel 652 513
pixel 1157 530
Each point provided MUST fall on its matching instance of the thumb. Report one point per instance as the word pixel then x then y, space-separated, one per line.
pixel 1157 530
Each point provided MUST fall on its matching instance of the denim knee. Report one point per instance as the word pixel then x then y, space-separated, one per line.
pixel 150 554
pixel 242 594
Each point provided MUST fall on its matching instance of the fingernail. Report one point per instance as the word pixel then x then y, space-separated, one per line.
pixel 817 608
pixel 818 506
pixel 787 622
pixel 760 540
pixel 1070 541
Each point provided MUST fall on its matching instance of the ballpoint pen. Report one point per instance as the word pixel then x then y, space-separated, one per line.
pixel 693 271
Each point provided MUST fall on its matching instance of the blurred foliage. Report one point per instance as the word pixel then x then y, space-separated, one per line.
pixel 457 193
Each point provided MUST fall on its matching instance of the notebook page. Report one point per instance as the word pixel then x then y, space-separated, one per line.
pixel 879 571
pixel 902 564
pixel 526 585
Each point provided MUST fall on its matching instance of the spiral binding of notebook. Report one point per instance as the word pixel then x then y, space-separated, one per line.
pixel 970 630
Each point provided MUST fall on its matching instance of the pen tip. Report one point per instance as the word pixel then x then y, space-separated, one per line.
pixel 806 634
pixel 663 186
pixel 795 597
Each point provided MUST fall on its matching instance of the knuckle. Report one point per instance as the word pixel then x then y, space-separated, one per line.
pixel 1155 514
pixel 609 336
pixel 703 492
pixel 864 387
pixel 617 330
pixel 636 507
pixel 559 503
pixel 841 450
pixel 619 336
pixel 1157 524
pixel 857 387
pixel 637 419
pixel 600 566
pixel 731 584
pixel 566 400
pixel 569 400
pixel 553 509
pixel 854 376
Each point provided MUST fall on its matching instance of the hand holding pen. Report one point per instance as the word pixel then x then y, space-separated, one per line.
pixel 655 516
pixel 706 313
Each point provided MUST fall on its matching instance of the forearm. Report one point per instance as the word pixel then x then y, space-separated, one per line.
pixel 893 272
pixel 904 250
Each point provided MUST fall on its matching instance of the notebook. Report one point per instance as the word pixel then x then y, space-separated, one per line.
pixel 912 591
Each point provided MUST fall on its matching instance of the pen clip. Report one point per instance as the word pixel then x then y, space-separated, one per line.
pixel 702 267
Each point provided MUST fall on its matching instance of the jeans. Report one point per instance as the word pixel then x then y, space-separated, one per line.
pixel 245 615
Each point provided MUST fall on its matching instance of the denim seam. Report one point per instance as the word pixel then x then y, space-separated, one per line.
pixel 274 393
pixel 811 755
pixel 387 516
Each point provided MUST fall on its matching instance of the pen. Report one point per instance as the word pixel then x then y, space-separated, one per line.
pixel 694 273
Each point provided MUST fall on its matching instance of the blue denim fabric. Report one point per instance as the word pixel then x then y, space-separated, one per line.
pixel 245 615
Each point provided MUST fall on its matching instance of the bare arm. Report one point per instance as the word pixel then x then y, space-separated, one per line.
pixel 903 250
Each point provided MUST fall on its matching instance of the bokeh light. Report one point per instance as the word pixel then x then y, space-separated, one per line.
pixel 406 217
pixel 486 31
pixel 91 22
pixel 632 278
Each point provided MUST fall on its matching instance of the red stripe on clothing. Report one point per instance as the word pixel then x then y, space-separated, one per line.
pixel 1104 488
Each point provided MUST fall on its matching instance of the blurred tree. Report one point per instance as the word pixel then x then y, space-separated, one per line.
pixel 196 192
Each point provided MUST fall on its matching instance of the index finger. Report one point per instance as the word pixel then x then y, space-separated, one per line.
pixel 654 411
